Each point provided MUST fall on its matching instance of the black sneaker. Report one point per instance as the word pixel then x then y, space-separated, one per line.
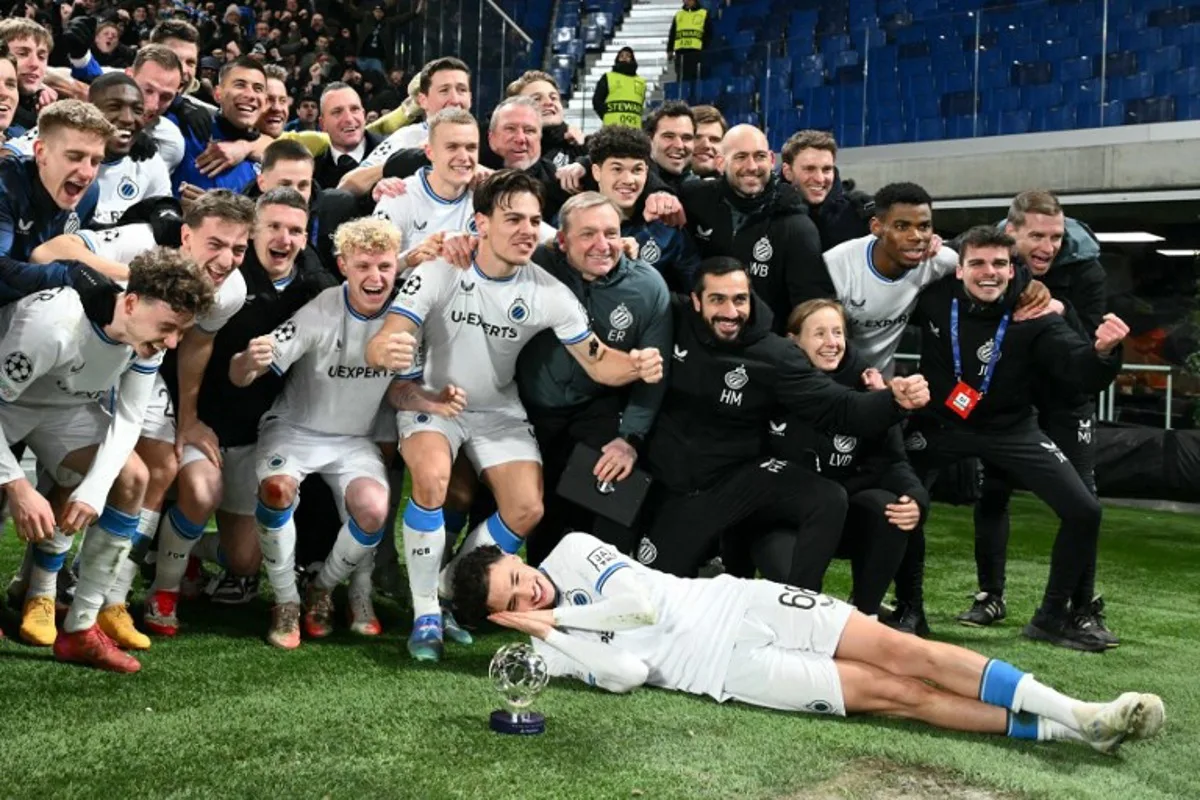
pixel 232 590
pixel 986 609
pixel 908 618
pixel 1091 618
pixel 1062 629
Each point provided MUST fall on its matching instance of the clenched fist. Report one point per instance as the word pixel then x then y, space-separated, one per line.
pixel 911 393
pixel 396 352
pixel 648 364
pixel 1110 334
pixel 253 361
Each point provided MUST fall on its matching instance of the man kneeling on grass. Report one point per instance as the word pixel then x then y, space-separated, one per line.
pixel 614 623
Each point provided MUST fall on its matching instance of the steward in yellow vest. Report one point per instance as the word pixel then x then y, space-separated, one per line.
pixel 620 96
pixel 688 36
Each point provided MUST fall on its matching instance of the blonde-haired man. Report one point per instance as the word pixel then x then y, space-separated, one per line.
pixel 324 422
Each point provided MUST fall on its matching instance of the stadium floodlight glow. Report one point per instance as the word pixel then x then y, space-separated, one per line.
pixel 1129 237
pixel 1178 253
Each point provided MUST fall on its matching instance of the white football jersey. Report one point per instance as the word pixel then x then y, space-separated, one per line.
pixel 52 355
pixel 687 649
pixel 877 309
pixel 473 327
pixel 123 182
pixel 409 136
pixel 170 142
pixel 420 212
pixel 123 244
pixel 330 389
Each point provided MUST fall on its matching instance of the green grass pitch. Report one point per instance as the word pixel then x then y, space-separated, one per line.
pixel 217 713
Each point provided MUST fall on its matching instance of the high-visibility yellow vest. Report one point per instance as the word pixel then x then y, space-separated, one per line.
pixel 626 100
pixel 689 29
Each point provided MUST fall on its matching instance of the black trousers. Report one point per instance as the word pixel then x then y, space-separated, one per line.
pixel 1026 451
pixel 1073 430
pixel 687 64
pixel 757 499
pixel 558 431
pixel 874 547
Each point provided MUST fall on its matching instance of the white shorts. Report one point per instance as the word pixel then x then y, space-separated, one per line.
pixel 783 651
pixel 239 487
pixel 284 449
pixel 53 432
pixel 159 421
pixel 489 438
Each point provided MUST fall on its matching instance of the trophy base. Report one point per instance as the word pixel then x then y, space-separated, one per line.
pixel 524 723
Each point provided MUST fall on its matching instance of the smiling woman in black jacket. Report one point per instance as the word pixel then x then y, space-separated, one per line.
pixel 886 500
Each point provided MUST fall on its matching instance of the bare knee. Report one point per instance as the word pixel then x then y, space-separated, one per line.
pixel 430 483
pixel 163 468
pixel 367 503
pixel 130 485
pixel 523 514
pixel 904 654
pixel 200 490
pixel 277 491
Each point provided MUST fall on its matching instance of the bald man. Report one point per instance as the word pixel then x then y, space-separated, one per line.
pixel 769 230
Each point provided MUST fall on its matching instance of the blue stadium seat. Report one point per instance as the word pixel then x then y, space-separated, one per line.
pixel 1150 110
pixel 1053 119
pixel 923 106
pixel 1148 39
pixel 1134 87
pixel 1014 122
pixel 930 129
pixel 962 127
pixel 1049 95
pixel 1075 69
pixel 1119 65
pixel 1001 100
pixel 1163 59
pixel 1092 115
pixel 890 132
pixel 1182 82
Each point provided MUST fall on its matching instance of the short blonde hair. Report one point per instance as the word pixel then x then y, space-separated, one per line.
pixel 22 28
pixel 75 115
pixel 802 312
pixel 532 76
pixel 366 235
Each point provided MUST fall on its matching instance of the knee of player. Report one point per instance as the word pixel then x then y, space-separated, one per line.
pixel 134 476
pixel 163 470
pixel 371 513
pixel 430 485
pixel 200 492
pixel 524 515
pixel 903 653
pixel 277 491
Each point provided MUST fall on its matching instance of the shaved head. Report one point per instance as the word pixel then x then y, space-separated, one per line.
pixel 748 159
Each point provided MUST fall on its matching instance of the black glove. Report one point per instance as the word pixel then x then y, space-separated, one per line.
pixel 162 214
pixel 78 35
pixel 144 147
pixel 98 293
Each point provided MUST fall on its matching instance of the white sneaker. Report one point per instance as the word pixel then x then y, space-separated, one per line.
pixel 360 613
pixel 1130 716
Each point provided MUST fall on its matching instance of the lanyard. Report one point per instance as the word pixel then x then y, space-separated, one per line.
pixel 991 365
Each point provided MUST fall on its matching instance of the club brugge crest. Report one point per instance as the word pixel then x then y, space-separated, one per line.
pixel 763 250
pixel 620 318
pixel 984 353
pixel 844 444
pixel 472 228
pixel 578 597
pixel 276 461
pixel 72 223
pixel 518 311
pixel 127 189
pixel 651 252
pixel 737 378
pixel 647 552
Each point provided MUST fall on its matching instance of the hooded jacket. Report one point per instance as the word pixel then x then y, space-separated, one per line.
pixel 770 233
pixel 721 395
pixel 629 308
pixel 600 96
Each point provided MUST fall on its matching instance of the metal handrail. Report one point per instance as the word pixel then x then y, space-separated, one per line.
pixel 1106 404
pixel 528 39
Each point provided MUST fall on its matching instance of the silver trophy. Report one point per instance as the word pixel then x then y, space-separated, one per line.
pixel 519 674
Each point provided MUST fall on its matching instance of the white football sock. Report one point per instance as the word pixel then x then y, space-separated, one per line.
pixel 277 538
pixel 350 547
pixel 177 535
pixel 105 547
pixel 47 558
pixel 1039 699
pixel 424 540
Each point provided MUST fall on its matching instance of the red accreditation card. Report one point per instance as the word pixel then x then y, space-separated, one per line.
pixel 962 399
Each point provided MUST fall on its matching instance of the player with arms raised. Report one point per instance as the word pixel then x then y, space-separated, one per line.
pixel 612 622
pixel 474 324
pixel 323 422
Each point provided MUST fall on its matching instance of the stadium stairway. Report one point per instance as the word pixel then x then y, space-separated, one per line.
pixel 644 29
